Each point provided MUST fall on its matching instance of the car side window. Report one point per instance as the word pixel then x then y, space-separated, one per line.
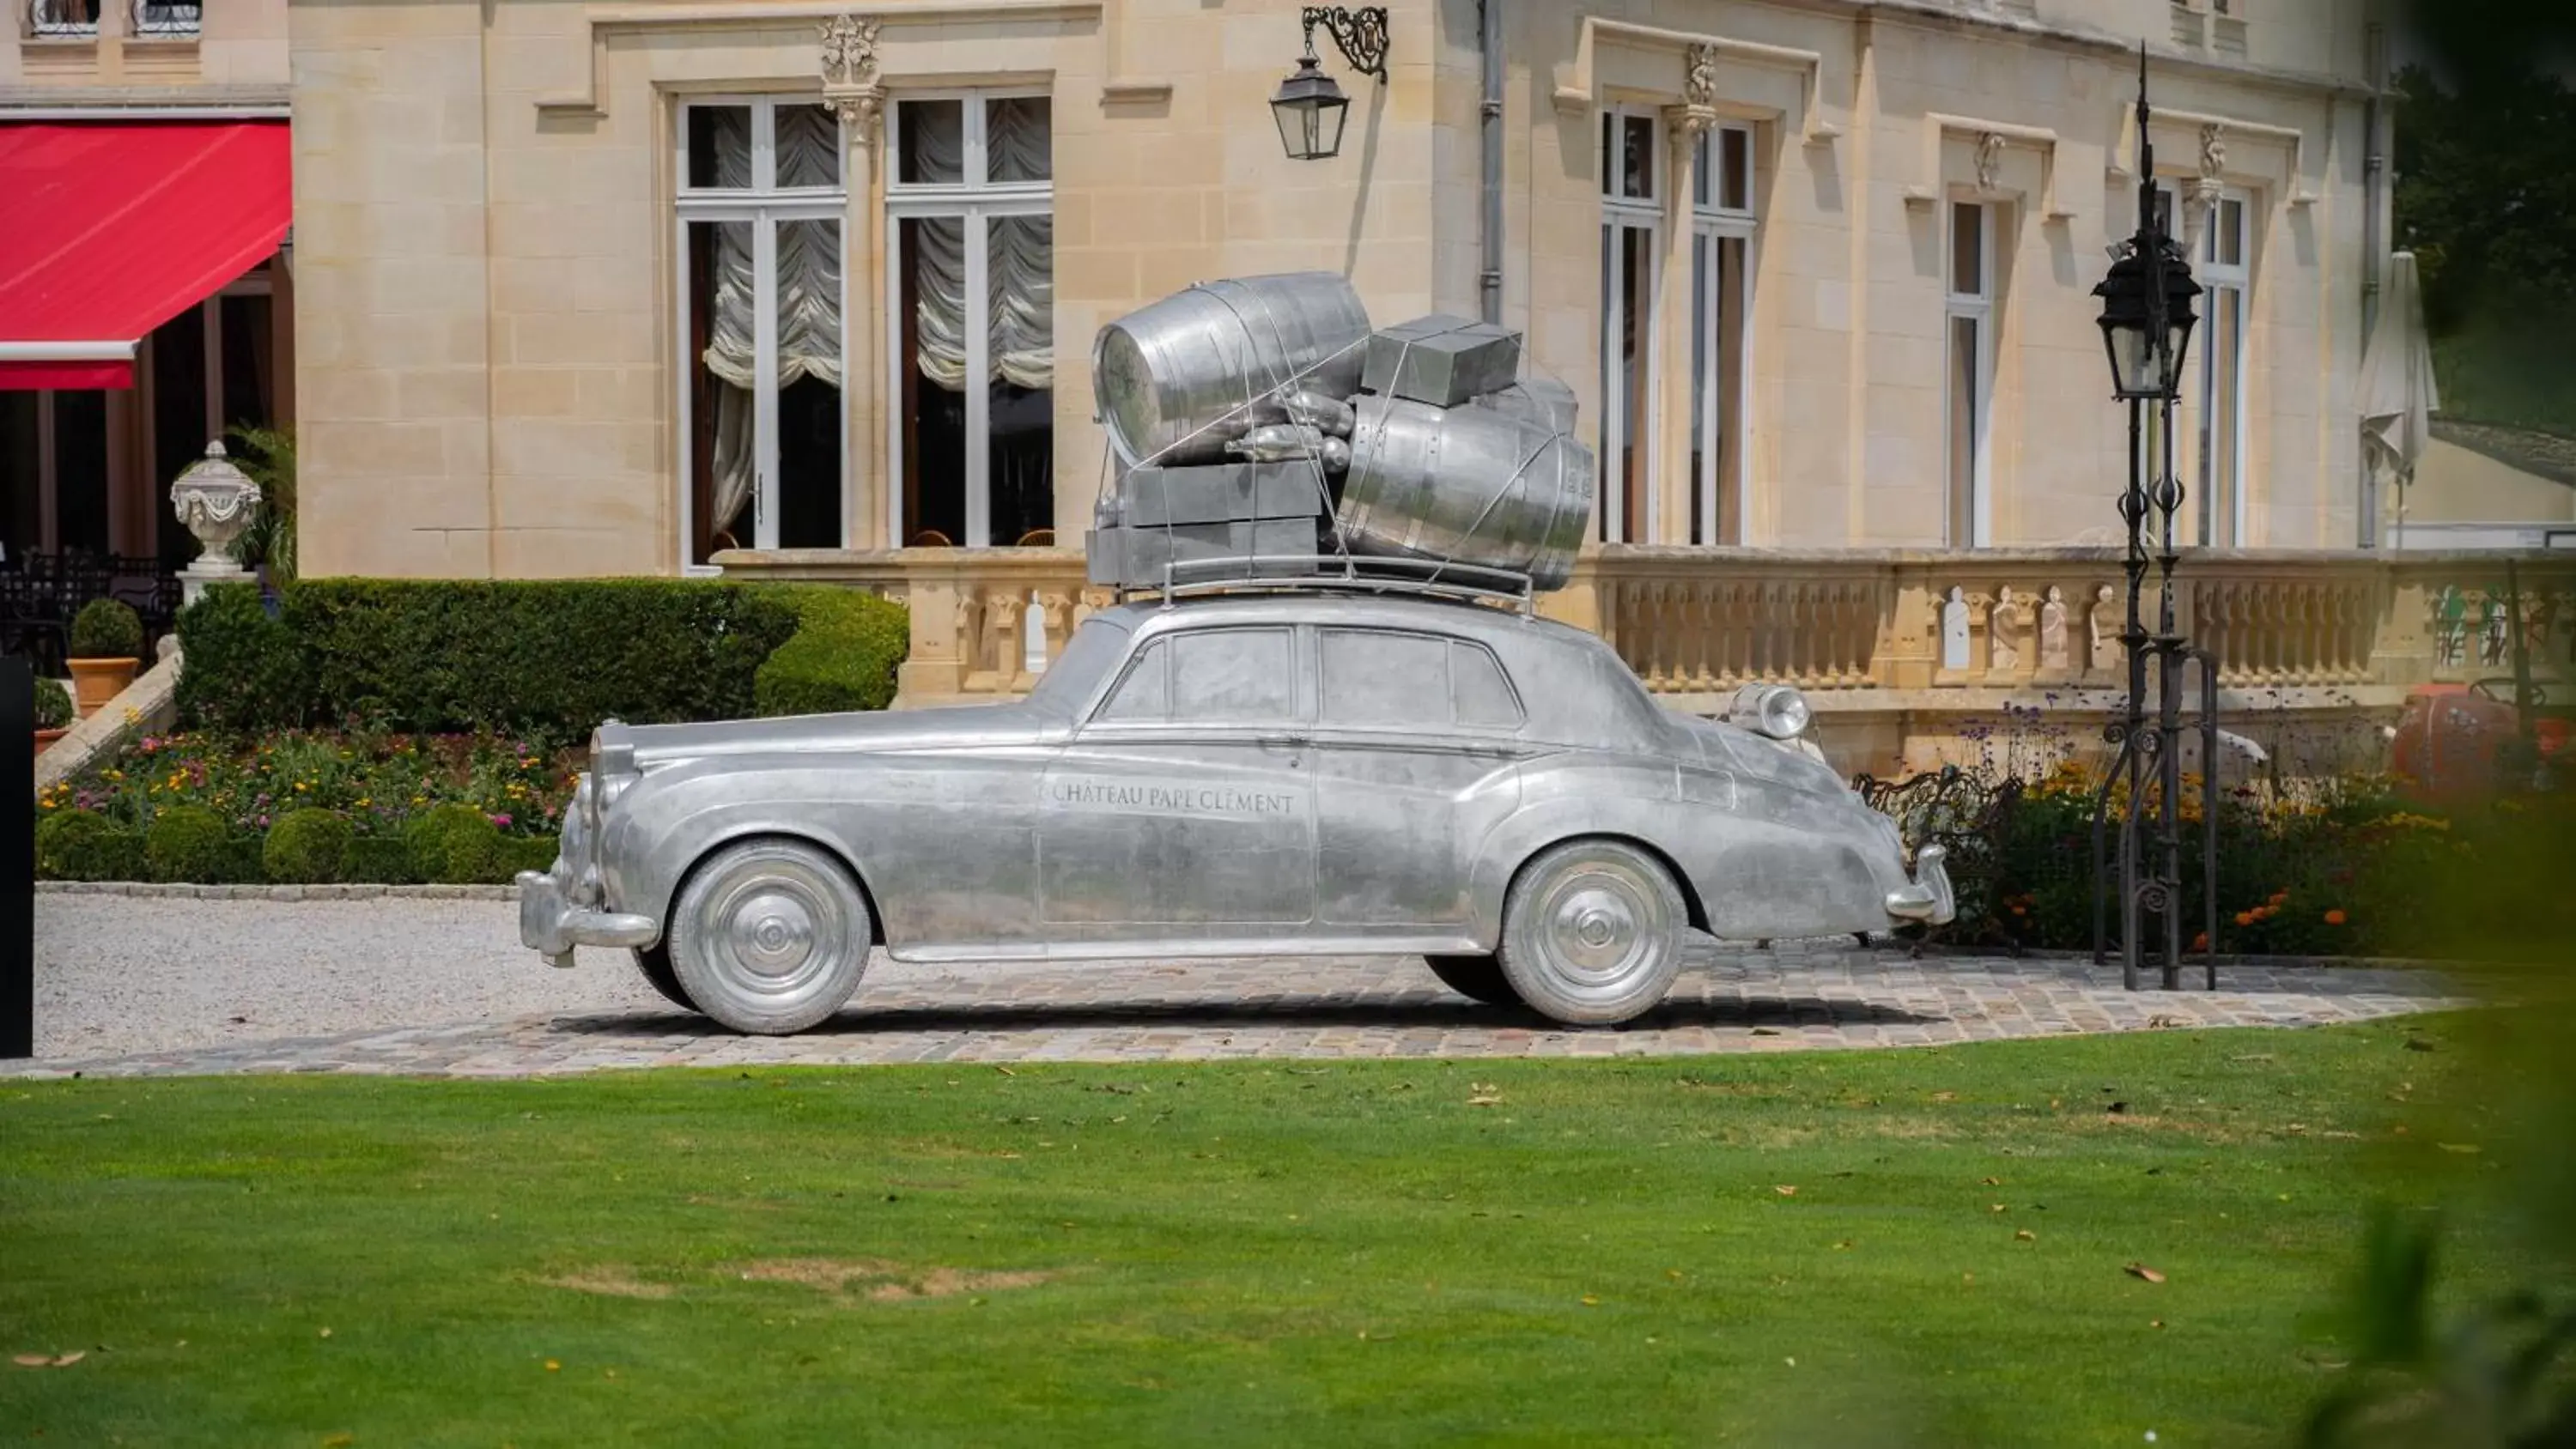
pixel 1374 677
pixel 1221 675
pixel 1146 691
pixel 1476 683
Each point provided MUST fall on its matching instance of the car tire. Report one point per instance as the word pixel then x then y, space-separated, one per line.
pixel 1592 932
pixel 653 963
pixel 770 936
pixel 1477 978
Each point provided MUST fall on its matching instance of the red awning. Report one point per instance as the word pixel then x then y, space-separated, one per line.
pixel 109 229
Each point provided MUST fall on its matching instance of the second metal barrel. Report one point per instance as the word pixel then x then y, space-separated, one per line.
pixel 1177 380
pixel 1467 484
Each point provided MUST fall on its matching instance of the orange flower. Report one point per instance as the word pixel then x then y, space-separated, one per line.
pixel 2200 942
pixel 2334 918
pixel 2244 918
pixel 2279 897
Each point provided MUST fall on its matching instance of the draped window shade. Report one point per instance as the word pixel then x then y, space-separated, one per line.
pixel 1019 266
pixel 809 290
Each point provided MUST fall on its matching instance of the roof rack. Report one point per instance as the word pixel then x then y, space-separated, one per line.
pixel 1342 574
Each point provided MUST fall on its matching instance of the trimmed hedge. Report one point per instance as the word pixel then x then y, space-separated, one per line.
pixel 456 845
pixel 84 845
pixel 307 847
pixel 191 843
pixel 452 656
pixel 53 705
pixel 843 658
pixel 106 629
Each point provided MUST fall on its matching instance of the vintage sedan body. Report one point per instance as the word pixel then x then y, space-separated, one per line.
pixel 1226 776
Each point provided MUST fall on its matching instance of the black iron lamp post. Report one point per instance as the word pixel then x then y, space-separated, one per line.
pixel 2146 329
pixel 1309 105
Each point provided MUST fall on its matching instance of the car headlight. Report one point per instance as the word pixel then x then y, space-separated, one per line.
pixel 1774 710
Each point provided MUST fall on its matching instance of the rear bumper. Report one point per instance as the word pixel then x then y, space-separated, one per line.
pixel 550 925
pixel 1928 898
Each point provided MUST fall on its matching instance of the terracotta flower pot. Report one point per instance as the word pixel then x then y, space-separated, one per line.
pixel 47 737
pixel 96 681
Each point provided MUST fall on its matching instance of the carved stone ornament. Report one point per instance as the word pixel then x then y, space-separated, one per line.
pixel 215 501
pixel 851 84
pixel 1990 159
pixel 1699 75
pixel 2213 151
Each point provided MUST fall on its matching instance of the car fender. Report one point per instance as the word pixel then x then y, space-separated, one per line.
pixel 1743 876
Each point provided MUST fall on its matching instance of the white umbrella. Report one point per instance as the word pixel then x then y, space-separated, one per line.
pixel 2397 393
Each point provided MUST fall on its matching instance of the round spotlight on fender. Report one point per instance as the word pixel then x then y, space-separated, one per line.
pixel 1774 710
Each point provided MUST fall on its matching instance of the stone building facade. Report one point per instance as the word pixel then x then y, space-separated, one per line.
pixel 594 289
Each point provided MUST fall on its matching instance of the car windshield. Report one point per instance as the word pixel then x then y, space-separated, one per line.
pixel 1095 649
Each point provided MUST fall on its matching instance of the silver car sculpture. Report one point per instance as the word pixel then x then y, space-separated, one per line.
pixel 1242 775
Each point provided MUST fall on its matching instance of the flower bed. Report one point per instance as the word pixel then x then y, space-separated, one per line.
pixel 217 808
pixel 2344 867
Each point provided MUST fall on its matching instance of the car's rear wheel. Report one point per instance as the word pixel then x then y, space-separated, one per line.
pixel 1477 978
pixel 770 936
pixel 653 963
pixel 1592 932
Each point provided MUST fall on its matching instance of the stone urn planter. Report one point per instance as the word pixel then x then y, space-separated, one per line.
pixel 106 649
pixel 215 501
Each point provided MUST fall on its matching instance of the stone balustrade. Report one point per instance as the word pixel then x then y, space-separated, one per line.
pixel 1895 647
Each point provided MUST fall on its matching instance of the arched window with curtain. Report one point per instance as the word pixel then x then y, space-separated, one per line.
pixel 970 199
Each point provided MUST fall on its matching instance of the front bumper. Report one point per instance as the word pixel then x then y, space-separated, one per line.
pixel 550 925
pixel 1929 899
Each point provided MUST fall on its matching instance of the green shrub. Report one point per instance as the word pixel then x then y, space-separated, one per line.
pixel 106 629
pixel 83 845
pixel 531 852
pixel 245 670
pixel 192 843
pixel 378 860
pixel 438 656
pixel 307 847
pixel 53 704
pixel 457 845
pixel 843 656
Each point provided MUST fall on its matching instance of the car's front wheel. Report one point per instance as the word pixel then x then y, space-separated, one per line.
pixel 1477 978
pixel 770 936
pixel 1592 932
pixel 653 963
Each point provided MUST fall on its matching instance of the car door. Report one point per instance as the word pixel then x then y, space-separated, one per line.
pixel 1181 810
pixel 1416 747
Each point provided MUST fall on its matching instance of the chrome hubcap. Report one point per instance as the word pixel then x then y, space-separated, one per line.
pixel 772 934
pixel 1600 923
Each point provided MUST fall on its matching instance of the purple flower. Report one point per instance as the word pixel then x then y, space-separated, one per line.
pixel 263 822
pixel 501 820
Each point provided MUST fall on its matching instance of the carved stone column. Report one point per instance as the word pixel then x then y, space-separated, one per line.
pixel 853 88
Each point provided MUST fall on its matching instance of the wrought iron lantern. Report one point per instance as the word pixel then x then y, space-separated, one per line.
pixel 2147 341
pixel 1309 105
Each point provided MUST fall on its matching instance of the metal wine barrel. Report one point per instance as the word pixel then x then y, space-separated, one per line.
pixel 1467 484
pixel 1173 380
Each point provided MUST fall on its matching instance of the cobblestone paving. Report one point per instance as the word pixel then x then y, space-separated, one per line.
pixel 1333 1008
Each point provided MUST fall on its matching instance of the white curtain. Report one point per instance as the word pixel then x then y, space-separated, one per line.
pixel 1019 271
pixel 809 291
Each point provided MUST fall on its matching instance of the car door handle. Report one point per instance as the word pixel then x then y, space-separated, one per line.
pixel 1280 741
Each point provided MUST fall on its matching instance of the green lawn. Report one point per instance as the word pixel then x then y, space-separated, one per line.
pixel 1515 1252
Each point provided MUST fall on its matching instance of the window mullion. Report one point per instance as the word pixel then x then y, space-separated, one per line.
pixel 979 365
pixel 764 331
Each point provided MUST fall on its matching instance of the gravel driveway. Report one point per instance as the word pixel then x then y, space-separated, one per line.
pixel 119 974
